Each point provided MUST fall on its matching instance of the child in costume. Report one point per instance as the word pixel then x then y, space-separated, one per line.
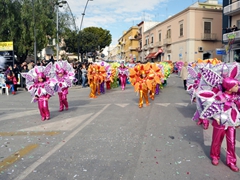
pixel 41 87
pixel 157 75
pixel 122 74
pixel 65 77
pixel 142 81
pixel 219 131
pixel 96 75
pixel 223 108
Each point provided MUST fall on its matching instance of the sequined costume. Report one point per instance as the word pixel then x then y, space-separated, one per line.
pixel 96 75
pixel 65 77
pixel 40 84
pixel 223 108
pixel 122 75
pixel 141 77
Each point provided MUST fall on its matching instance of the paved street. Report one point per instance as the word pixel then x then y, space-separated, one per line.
pixel 108 138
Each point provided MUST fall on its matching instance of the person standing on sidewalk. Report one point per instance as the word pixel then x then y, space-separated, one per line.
pixel 84 75
pixel 184 75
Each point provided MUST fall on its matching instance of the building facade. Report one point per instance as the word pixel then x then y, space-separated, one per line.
pixel 127 45
pixel 193 33
pixel 231 35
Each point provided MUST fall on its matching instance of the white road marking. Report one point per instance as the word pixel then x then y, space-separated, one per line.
pixel 64 125
pixel 182 104
pixel 18 115
pixel 35 111
pixel 163 104
pixel 207 137
pixel 122 105
pixel 31 168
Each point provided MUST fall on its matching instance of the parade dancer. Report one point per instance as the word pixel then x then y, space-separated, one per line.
pixel 142 79
pixel 96 75
pixel 122 74
pixel 41 87
pixel 223 108
pixel 65 77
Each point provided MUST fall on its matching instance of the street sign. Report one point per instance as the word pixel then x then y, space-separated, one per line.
pixel 220 51
pixel 6 50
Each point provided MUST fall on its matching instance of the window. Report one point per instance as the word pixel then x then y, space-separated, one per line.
pixel 152 38
pixel 238 24
pixel 168 33
pixel 237 55
pixel 181 29
pixel 160 37
pixel 147 40
pixel 207 27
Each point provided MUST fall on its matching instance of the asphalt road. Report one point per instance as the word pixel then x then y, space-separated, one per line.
pixel 108 138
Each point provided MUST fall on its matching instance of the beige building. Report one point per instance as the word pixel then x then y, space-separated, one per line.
pixel 193 33
pixel 231 36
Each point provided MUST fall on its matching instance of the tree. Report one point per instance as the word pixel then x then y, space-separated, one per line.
pixel 93 38
pixel 18 21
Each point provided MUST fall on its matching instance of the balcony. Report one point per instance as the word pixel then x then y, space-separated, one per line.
pixel 145 47
pixel 131 38
pixel 209 36
pixel 131 48
pixel 158 44
pixel 139 49
pixel 232 9
pixel 232 35
pixel 150 46
pixel 138 36
pixel 122 43
pixel 167 41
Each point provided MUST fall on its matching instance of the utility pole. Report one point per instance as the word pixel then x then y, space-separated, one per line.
pixel 81 27
pixel 34 29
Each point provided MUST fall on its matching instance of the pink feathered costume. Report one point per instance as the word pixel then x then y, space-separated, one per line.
pixel 223 107
pixel 40 91
pixel 122 74
pixel 64 76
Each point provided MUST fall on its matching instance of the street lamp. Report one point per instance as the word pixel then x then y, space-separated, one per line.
pixel 59 4
pixel 81 26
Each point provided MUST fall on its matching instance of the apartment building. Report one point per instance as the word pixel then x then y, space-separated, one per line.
pixel 127 45
pixel 193 33
pixel 231 36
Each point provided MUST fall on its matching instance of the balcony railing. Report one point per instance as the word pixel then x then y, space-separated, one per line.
pixel 150 46
pixel 131 48
pixel 139 49
pixel 145 47
pixel 232 9
pixel 167 41
pixel 209 36
pixel 158 44
pixel 232 35
pixel 131 38
pixel 138 36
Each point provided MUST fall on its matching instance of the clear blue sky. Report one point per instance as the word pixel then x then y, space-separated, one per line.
pixel 118 16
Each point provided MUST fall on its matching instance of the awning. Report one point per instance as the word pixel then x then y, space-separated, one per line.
pixel 157 53
pixel 154 54
pixel 150 55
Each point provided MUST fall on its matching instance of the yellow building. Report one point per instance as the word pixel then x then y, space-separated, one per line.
pixel 128 45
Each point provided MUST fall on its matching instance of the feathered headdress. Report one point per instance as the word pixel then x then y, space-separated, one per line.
pixel 34 86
